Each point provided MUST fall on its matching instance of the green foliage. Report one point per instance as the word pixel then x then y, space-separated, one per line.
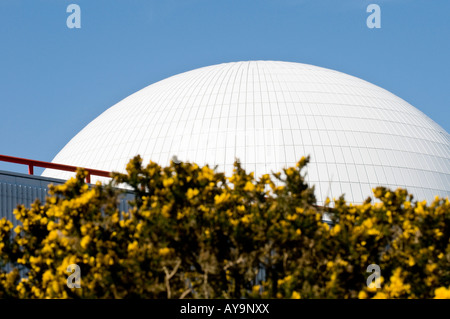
pixel 192 232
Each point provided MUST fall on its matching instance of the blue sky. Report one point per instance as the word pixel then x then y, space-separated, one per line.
pixel 55 80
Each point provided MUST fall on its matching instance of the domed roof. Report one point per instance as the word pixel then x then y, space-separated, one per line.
pixel 269 114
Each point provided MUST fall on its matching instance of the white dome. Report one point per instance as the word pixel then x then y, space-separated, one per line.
pixel 269 114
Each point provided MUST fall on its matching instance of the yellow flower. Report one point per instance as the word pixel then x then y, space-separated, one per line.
pixel 51 225
pixel 85 241
pixel 133 246
pixel 180 215
pixel 373 232
pixel 419 210
pixel 380 295
pixel 396 287
pixel 256 289
pixel 291 217
pixel 302 162
pixel 295 295
pixel 164 251
pixel 249 187
pixel 389 215
pixel 378 205
pixel 218 199
pixel 115 218
pixel 368 223
pixel 265 178
pixel 290 171
pixel 108 260
pixel 438 233
pixel 168 182
pixel 335 230
pixel 165 210
pixel 362 295
pixel 191 193
pixel 35 260
pixel 47 276
pixel 52 235
pixel 207 173
pixel 442 293
pixel 286 279
pixel 245 219
pixel 55 286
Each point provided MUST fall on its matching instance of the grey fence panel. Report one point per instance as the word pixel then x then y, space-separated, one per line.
pixel 21 189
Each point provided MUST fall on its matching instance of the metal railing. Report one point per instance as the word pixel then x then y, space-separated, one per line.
pixel 62 167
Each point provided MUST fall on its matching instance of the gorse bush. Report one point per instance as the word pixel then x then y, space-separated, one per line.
pixel 192 232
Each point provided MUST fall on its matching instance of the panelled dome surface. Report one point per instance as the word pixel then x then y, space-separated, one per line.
pixel 269 114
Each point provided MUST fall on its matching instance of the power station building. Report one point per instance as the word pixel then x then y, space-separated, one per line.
pixel 268 114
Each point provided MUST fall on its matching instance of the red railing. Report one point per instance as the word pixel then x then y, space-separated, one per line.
pixel 62 167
